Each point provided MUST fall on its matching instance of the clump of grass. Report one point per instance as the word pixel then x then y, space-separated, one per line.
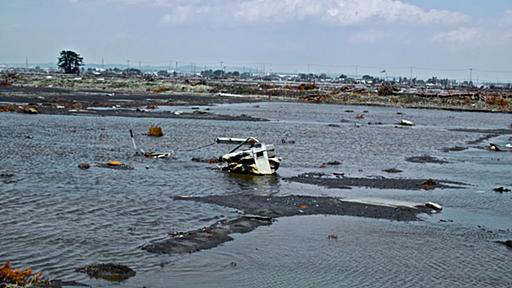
pixel 160 89
pixel 15 277
pixel 155 131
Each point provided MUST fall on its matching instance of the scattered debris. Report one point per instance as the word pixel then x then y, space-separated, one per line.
pixel 454 149
pixel 259 159
pixel 434 206
pixel 501 189
pixel 8 108
pixel 446 221
pixel 429 184
pixel 386 89
pixel 360 116
pixel 150 154
pixel 334 125
pixel 209 161
pixel 6 175
pixel 392 170
pixel 155 131
pixel 158 155
pixel 108 271
pixel 494 147
pixel 30 109
pixel 425 159
pixel 284 141
pixel 404 122
pixel 330 163
pixel 18 278
pixel 332 237
pixel 115 165
pixel 84 166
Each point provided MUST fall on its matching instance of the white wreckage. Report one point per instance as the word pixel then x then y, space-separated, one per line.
pixel 259 159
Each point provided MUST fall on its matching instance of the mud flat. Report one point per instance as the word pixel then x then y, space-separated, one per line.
pixel 377 183
pixel 488 133
pixel 200 115
pixel 64 101
pixel 262 210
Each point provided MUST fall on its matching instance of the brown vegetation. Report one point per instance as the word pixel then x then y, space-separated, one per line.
pixel 15 277
pixel 155 131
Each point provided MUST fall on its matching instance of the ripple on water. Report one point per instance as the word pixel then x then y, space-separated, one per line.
pixel 57 217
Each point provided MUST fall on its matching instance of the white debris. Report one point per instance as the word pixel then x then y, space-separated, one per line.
pixel 404 122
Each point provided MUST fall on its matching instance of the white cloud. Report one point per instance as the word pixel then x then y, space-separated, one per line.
pixel 178 15
pixel 344 12
pixel 335 12
pixel 506 19
pixel 458 36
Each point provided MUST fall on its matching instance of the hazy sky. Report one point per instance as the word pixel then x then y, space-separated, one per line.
pixel 284 34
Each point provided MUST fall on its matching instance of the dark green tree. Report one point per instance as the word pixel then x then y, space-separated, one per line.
pixel 70 61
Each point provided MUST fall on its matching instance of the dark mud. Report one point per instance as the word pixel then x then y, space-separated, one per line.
pixel 392 170
pixel 454 149
pixel 18 94
pixel 376 183
pixel 281 206
pixel 201 115
pixel 108 271
pixel 489 133
pixel 425 159
pixel 61 284
pixel 207 237
pixel 61 101
pixel 262 210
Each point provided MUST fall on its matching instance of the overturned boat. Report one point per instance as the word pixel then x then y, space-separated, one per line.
pixel 258 159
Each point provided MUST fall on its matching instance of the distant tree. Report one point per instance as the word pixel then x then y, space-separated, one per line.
pixel 218 73
pixel 70 62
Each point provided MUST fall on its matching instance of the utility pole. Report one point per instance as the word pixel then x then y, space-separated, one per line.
pixel 470 76
pixel 26 62
pixel 410 77
pixel 128 63
pixel 176 67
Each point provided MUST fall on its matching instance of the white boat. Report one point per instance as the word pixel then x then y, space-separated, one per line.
pixel 259 159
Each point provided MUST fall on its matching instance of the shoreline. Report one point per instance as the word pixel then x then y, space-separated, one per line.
pixel 123 102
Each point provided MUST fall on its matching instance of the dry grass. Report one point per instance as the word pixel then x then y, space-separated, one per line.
pixel 155 131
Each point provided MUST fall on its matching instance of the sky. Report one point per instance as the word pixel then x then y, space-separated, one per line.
pixel 435 37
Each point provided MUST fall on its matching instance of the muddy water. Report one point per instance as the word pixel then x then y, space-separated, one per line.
pixel 56 217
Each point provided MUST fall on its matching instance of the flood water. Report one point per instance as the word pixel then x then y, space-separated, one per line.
pixel 55 217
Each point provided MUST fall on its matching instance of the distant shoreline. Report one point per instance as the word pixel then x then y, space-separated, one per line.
pixel 67 96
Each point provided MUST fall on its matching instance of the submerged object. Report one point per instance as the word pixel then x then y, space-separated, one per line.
pixel 433 206
pixel 494 147
pixel 404 122
pixel 259 159
pixel 150 154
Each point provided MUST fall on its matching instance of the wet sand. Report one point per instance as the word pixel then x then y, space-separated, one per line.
pixel 265 209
